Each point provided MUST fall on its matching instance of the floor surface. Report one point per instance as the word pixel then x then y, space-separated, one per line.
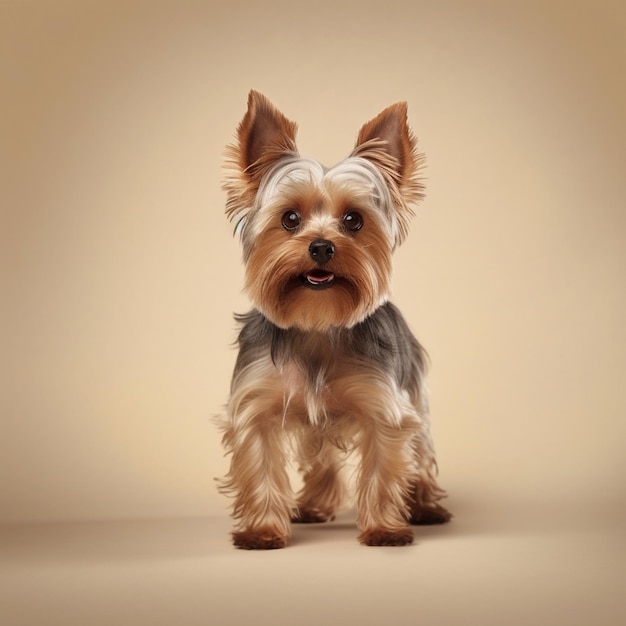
pixel 501 564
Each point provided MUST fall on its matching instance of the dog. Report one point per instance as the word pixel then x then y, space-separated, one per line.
pixel 326 365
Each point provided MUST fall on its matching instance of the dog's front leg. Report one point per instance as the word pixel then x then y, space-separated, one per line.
pixel 258 480
pixel 383 482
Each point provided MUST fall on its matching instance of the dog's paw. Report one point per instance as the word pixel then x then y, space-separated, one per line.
pixel 381 537
pixel 312 516
pixel 434 514
pixel 258 540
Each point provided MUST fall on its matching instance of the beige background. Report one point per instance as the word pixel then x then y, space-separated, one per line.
pixel 120 273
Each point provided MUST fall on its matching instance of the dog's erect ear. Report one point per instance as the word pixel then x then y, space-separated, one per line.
pixel 263 136
pixel 388 142
pixel 390 127
pixel 264 133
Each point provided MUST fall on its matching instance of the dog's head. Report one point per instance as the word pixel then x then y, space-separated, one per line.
pixel 318 242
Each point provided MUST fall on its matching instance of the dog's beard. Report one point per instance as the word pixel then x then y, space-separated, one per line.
pixel 292 291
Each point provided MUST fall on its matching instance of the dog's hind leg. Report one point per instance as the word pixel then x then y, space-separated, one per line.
pixel 323 489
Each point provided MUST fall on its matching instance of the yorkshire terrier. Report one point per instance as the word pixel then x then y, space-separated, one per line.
pixel 326 364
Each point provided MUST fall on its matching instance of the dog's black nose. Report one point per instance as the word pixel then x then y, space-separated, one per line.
pixel 322 250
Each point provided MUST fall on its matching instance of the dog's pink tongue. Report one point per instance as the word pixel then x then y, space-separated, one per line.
pixel 317 276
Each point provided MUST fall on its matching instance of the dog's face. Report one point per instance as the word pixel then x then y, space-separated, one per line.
pixel 318 242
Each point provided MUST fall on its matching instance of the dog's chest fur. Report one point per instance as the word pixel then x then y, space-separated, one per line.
pixel 320 377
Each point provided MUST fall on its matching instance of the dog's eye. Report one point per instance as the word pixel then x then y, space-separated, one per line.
pixel 290 220
pixel 353 221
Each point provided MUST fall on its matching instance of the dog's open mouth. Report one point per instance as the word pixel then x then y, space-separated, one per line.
pixel 318 279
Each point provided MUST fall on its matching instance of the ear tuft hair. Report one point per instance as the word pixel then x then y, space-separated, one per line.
pixel 389 143
pixel 264 136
